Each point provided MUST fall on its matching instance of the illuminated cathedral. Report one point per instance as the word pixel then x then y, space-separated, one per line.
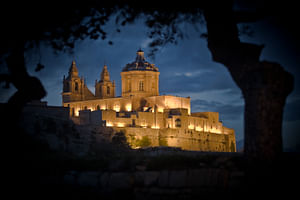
pixel 142 112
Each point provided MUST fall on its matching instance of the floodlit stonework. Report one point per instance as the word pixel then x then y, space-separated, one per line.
pixel 146 118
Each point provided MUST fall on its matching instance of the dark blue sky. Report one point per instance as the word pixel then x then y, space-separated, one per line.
pixel 185 69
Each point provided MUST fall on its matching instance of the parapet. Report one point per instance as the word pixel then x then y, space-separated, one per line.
pixel 213 116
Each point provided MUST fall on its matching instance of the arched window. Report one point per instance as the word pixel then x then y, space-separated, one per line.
pixel 177 122
pixel 76 86
pixel 141 86
pixel 98 107
pixel 108 90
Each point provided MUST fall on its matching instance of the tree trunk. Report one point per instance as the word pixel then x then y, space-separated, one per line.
pixel 264 85
pixel 265 90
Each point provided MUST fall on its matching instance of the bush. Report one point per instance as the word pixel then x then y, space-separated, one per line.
pixel 119 139
pixel 144 142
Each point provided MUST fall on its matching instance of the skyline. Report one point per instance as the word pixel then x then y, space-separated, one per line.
pixel 185 69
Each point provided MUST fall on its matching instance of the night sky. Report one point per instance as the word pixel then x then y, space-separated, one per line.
pixel 185 69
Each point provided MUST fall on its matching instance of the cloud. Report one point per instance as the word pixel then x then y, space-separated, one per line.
pixel 145 43
pixel 226 111
pixel 192 73
pixel 195 81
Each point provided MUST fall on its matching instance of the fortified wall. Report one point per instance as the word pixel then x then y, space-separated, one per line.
pixel 173 127
pixel 185 139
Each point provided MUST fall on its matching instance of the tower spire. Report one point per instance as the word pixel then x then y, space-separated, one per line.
pixel 104 74
pixel 73 71
pixel 104 88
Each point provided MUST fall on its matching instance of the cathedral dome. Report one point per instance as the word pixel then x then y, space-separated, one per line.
pixel 140 64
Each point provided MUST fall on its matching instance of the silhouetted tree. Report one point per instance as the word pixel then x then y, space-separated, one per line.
pixel 265 85
pixel 120 139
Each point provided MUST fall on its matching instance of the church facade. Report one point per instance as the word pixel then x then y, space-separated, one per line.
pixel 141 113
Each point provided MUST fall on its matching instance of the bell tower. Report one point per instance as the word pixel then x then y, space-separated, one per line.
pixel 73 85
pixel 105 88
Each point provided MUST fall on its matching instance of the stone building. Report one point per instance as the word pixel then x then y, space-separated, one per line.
pixel 141 113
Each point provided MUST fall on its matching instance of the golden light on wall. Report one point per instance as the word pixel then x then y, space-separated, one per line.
pixel 155 127
pixel 169 125
pixel 160 109
pixel 119 124
pixel 144 125
pixel 218 131
pixel 109 124
pixel 117 108
pixel 191 126
pixel 198 128
pixel 102 107
pixel 77 112
pixel 128 107
pixel 135 147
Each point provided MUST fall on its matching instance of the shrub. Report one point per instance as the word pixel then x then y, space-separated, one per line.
pixel 144 142
pixel 119 139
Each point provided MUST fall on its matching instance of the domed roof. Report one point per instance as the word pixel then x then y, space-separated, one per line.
pixel 140 64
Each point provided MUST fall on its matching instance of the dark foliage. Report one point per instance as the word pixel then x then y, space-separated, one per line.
pixel 119 139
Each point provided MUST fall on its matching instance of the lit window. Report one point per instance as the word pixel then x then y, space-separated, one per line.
pixel 141 86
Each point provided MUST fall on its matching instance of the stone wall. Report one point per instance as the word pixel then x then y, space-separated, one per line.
pixel 185 139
